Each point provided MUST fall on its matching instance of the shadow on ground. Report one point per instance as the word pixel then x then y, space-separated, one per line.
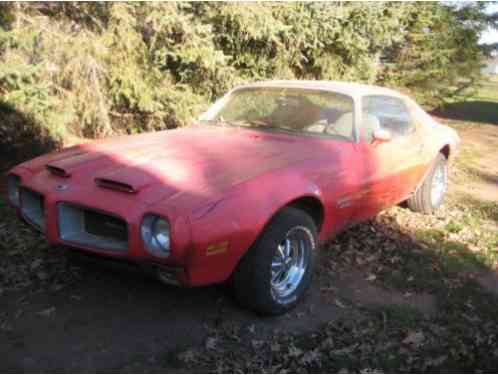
pixel 110 318
pixel 375 278
pixel 472 111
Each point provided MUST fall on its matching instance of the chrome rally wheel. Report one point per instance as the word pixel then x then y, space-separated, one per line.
pixel 439 184
pixel 290 261
pixel 275 273
pixel 430 194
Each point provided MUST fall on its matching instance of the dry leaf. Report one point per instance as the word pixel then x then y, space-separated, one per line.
pixel 47 312
pixel 371 277
pixel 340 304
pixel 414 339
pixel 211 343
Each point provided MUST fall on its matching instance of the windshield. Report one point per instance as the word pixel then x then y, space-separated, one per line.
pixel 289 109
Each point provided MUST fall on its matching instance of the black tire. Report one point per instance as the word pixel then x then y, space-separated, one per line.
pixel 421 201
pixel 252 279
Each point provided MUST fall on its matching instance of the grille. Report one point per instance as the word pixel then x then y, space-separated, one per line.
pixel 92 228
pixel 32 208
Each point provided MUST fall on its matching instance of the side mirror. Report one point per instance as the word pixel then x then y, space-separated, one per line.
pixel 381 136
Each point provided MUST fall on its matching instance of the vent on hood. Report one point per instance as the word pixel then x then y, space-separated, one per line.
pixel 114 185
pixel 58 171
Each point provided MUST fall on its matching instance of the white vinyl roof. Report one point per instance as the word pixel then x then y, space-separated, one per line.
pixel 346 88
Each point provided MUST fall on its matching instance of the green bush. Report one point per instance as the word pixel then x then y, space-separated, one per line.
pixel 94 69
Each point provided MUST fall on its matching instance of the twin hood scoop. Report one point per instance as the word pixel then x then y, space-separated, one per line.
pixel 103 182
pixel 115 185
pixel 57 171
pixel 194 161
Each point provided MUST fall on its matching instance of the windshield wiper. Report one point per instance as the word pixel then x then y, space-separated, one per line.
pixel 217 122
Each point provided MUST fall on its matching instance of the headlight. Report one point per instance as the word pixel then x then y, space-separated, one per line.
pixel 156 235
pixel 13 182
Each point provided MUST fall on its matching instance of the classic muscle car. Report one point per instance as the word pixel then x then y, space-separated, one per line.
pixel 247 192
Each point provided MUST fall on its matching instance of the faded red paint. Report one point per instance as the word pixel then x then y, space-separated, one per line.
pixel 221 185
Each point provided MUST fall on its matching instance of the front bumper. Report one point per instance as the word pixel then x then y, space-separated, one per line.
pixel 169 275
pixel 102 223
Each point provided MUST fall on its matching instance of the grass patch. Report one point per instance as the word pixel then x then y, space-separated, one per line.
pixel 453 256
pixel 488 90
pixel 454 227
pixel 482 210
pixel 467 159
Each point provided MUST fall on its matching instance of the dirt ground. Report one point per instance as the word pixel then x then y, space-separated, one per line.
pixel 482 139
pixel 59 314
pixel 111 319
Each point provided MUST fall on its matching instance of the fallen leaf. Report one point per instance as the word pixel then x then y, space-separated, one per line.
pixel 257 344
pixel 436 361
pixel 35 264
pixel 340 304
pixel 211 343
pixel 187 356
pixel 275 347
pixel 42 275
pixel 295 352
pixel 47 312
pixel 371 277
pixel 310 357
pixel 346 350
pixel 414 339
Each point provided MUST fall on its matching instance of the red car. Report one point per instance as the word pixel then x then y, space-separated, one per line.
pixel 246 193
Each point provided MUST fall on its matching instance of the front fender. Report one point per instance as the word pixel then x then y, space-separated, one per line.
pixel 224 230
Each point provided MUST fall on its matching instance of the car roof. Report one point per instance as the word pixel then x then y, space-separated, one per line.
pixel 347 88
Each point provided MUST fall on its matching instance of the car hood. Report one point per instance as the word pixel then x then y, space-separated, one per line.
pixel 201 160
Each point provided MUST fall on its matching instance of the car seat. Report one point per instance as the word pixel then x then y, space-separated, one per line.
pixel 342 127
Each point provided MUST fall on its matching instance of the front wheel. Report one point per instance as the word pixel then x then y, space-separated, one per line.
pixel 430 195
pixel 275 273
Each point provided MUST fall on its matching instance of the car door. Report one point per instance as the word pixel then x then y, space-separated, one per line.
pixel 389 169
pixel 422 160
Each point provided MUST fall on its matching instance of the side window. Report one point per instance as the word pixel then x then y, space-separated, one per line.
pixel 385 112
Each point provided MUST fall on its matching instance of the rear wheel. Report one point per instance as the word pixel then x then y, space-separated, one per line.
pixel 430 195
pixel 275 273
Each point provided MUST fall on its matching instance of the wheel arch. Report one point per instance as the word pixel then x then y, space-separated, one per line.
pixel 312 206
pixel 261 210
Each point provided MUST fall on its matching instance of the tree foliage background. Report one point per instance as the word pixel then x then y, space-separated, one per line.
pixel 95 69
